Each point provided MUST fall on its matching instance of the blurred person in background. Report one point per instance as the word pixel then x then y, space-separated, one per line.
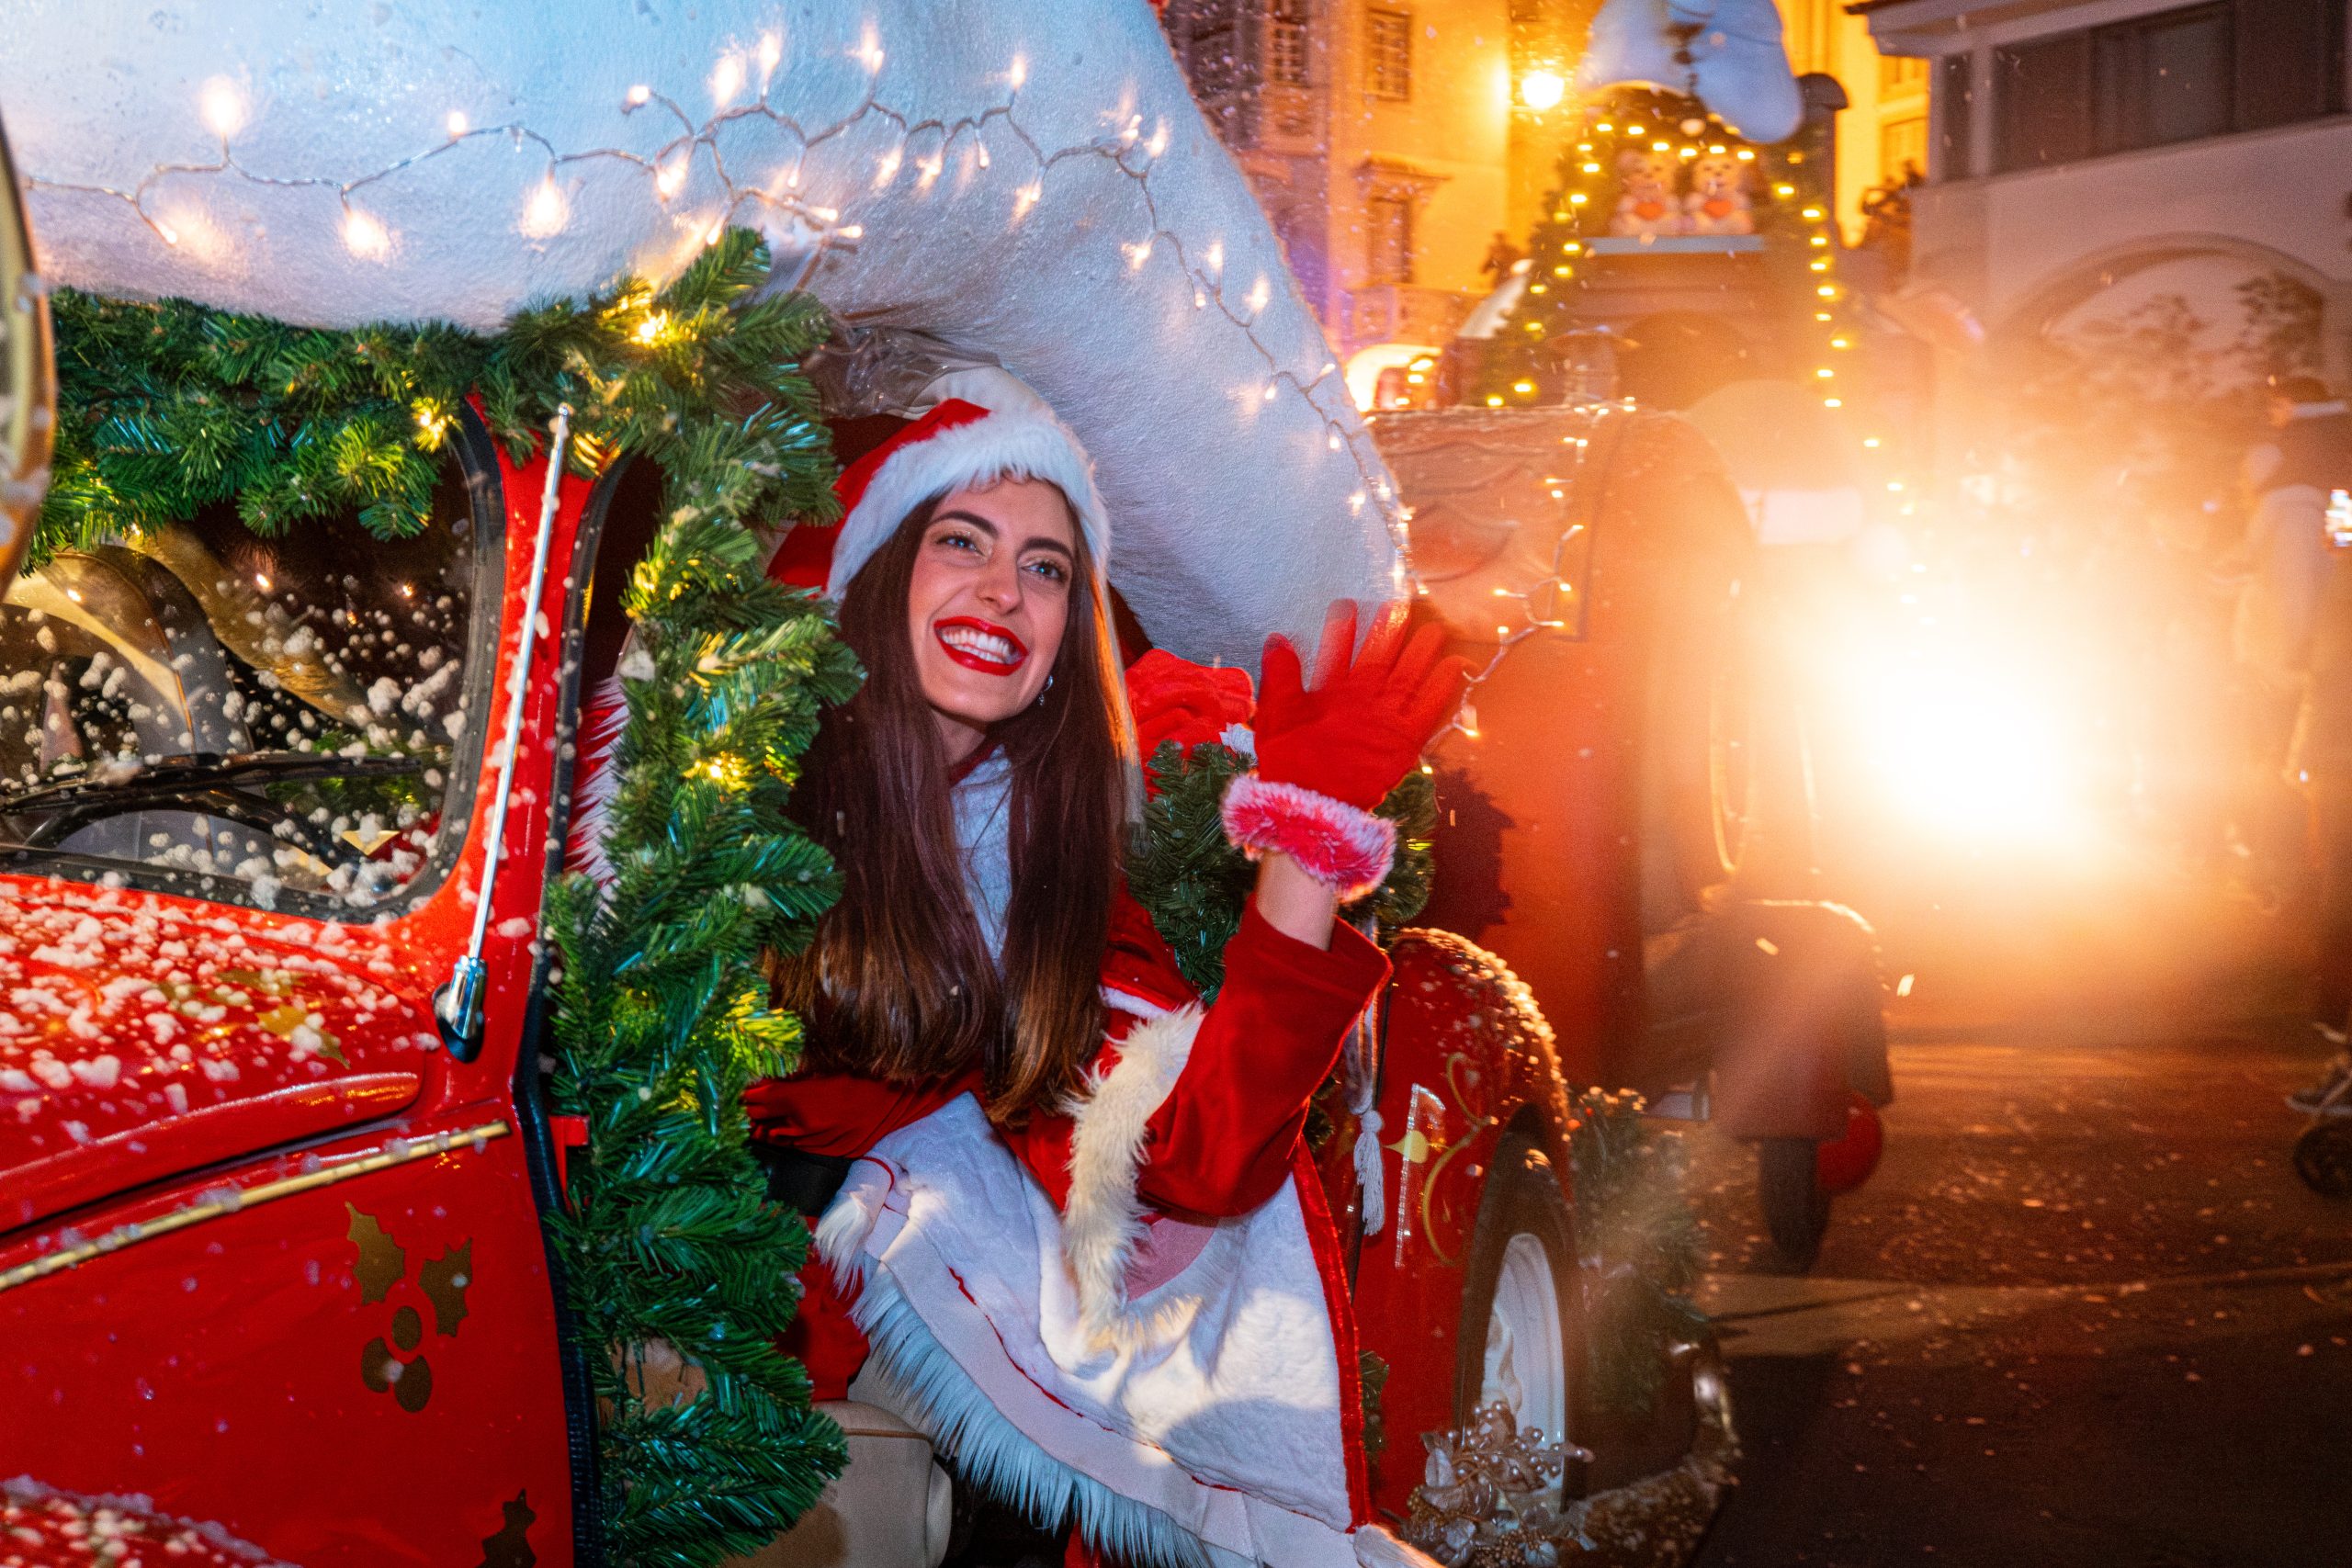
pixel 2315 459
pixel 2285 559
pixel 2322 761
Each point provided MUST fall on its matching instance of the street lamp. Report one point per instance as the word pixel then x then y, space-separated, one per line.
pixel 1541 90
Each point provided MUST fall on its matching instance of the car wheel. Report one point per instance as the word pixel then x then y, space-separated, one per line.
pixel 1522 1341
pixel 2324 1157
pixel 1796 1210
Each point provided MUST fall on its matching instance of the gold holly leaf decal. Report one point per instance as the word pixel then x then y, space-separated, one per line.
pixel 269 982
pixel 444 1282
pixel 293 1022
pixel 511 1547
pixel 411 1382
pixel 382 1260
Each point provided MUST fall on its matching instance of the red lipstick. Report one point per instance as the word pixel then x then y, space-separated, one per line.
pixel 980 645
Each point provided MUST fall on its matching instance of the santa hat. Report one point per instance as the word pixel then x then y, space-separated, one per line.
pixel 982 425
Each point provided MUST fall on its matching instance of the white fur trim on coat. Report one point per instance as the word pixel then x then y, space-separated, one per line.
pixel 1212 1442
pixel 1103 1220
pixel 598 776
pixel 1019 436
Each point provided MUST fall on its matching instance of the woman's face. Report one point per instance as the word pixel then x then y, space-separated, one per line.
pixel 989 602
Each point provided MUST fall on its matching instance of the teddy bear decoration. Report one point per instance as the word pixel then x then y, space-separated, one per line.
pixel 1647 204
pixel 1718 202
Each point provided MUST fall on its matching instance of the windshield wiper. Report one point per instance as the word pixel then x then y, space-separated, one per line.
pixel 201 782
pixel 202 771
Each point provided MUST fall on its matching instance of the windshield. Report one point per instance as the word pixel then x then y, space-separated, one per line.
pixel 283 722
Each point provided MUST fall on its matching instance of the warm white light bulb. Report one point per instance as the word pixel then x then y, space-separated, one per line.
pixel 639 96
pixel 222 103
pixel 365 237
pixel 456 123
pixel 547 212
pixel 1541 90
pixel 726 80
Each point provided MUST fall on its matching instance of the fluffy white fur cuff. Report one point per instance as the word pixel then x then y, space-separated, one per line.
pixel 1347 849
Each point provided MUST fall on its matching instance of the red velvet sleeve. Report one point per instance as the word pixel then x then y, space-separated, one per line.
pixel 1221 1144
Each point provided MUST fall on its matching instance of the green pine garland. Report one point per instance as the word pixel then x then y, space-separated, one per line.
pixel 170 407
pixel 661 1016
pixel 664 1022
pixel 1193 883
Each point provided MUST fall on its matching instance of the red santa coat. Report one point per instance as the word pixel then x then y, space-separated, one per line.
pixel 1134 1309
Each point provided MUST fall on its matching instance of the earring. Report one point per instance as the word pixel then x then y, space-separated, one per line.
pixel 1044 689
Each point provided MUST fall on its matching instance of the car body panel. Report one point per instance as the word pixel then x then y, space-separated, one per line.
pixel 236 1339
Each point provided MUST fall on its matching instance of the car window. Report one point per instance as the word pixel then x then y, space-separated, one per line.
pixel 286 722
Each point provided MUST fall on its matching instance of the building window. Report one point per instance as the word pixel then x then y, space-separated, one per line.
pixel 2042 91
pixel 1388 239
pixel 1901 75
pixel 2161 79
pixel 1286 43
pixel 1903 148
pixel 1213 47
pixel 2179 75
pixel 1388 54
pixel 1955 111
pixel 2289 61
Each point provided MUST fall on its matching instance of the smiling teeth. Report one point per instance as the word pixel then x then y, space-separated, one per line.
pixel 986 645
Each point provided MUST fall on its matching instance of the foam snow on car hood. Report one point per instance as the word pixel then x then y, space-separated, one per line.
pixel 141 1036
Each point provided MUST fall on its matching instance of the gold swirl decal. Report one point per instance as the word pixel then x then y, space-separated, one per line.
pixel 1479 1122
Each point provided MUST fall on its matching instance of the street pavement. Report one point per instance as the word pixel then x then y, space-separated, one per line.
pixel 2084 1313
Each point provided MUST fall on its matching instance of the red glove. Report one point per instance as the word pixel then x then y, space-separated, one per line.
pixel 1367 719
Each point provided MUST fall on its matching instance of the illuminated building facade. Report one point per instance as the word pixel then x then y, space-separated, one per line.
pixel 1390 144
pixel 1390 141
pixel 2088 156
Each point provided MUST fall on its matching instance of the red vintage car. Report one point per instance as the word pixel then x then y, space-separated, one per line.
pixel 271 1250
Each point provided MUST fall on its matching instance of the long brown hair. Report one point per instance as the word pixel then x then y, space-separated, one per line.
pixel 898 983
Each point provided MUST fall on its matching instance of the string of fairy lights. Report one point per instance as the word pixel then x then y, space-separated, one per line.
pixel 821 228
pixel 1620 189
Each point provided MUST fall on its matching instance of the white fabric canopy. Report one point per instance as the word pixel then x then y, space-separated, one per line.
pixel 1029 179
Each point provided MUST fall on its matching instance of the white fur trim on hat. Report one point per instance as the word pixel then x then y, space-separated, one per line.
pixel 1020 437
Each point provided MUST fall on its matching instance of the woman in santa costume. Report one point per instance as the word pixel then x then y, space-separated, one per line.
pixel 1073 1232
